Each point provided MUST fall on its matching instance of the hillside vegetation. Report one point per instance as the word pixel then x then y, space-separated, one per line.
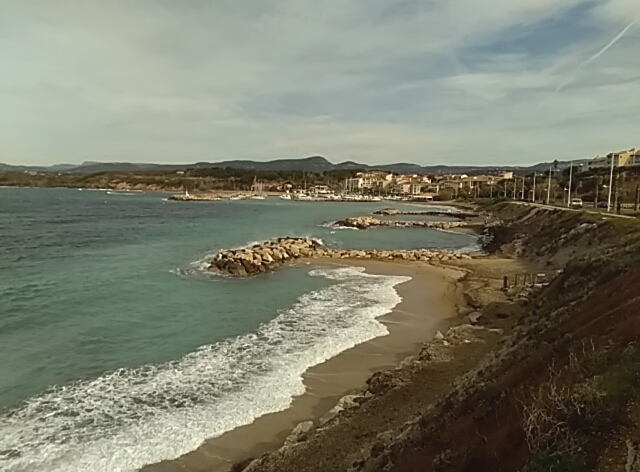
pixel 210 179
pixel 561 394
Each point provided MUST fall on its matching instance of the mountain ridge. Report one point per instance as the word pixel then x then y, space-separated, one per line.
pixel 317 164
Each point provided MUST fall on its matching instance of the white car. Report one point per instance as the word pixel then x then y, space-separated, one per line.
pixel 576 203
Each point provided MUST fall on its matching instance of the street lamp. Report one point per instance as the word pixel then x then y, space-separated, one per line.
pixel 549 186
pixel 570 176
pixel 610 187
pixel 533 196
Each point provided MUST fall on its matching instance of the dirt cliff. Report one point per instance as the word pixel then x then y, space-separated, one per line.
pixel 561 390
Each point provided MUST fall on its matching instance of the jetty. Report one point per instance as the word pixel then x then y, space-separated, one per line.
pixel 269 255
pixel 452 213
pixel 198 197
pixel 367 222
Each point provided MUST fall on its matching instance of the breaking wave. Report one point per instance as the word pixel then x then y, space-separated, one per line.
pixel 127 418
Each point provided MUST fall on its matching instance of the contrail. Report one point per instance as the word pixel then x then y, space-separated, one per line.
pixel 595 56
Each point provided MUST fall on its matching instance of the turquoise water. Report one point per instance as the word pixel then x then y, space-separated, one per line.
pixel 117 348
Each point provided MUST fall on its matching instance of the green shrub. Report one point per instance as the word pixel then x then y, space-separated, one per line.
pixel 547 462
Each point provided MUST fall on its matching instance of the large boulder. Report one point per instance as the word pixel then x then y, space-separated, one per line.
pixel 298 433
pixel 383 381
pixel 236 268
pixel 331 414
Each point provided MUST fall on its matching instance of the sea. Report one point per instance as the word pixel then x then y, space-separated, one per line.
pixel 118 349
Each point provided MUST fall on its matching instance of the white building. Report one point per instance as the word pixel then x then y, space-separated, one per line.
pixel 626 158
pixel 320 190
pixel 375 181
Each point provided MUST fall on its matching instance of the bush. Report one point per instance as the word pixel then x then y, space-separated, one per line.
pixel 556 463
pixel 568 414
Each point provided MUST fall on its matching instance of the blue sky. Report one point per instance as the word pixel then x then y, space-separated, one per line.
pixel 430 82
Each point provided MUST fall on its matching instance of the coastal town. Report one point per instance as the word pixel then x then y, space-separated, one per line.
pixel 372 186
pixel 611 181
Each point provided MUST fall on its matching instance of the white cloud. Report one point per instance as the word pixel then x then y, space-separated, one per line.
pixel 430 82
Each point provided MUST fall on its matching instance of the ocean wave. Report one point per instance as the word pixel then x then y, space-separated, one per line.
pixel 124 193
pixel 125 419
pixel 332 225
pixel 475 247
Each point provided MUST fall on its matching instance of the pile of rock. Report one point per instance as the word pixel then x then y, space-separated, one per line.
pixel 423 255
pixel 454 214
pixel 199 197
pixel 387 212
pixel 265 256
pixel 272 254
pixel 366 222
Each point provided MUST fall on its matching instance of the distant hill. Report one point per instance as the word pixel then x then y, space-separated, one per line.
pixel 315 164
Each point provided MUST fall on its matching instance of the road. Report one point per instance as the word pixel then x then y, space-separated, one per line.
pixel 557 207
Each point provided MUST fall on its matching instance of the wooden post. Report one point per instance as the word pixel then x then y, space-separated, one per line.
pixel 637 197
pixel 505 282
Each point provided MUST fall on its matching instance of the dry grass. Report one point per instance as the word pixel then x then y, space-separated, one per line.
pixel 565 417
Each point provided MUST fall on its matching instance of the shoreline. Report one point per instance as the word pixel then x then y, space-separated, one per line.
pixel 225 193
pixel 414 321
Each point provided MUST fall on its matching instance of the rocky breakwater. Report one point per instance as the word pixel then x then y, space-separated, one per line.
pixel 454 214
pixel 270 255
pixel 200 197
pixel 265 256
pixel 422 255
pixel 366 222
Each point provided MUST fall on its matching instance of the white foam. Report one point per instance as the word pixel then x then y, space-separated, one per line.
pixel 332 225
pixel 125 419
pixel 129 193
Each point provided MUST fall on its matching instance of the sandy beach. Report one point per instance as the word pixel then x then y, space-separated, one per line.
pixel 430 302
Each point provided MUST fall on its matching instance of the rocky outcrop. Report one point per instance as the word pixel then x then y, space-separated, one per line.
pixel 265 256
pixel 366 222
pixel 299 433
pixel 199 197
pixel 387 212
pixel 270 255
pixel 455 214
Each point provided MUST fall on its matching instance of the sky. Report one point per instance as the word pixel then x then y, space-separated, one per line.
pixel 494 82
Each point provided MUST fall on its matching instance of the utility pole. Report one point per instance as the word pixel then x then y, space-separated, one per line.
pixel 549 187
pixel 491 191
pixel 595 200
pixel 570 175
pixel 617 195
pixel 637 197
pixel 610 187
pixel 533 197
pixel 523 189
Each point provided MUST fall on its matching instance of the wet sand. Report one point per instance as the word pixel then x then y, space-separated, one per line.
pixel 430 302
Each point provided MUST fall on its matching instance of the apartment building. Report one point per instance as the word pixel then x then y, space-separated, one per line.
pixel 630 157
pixel 463 181
pixel 376 181
pixel 410 184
